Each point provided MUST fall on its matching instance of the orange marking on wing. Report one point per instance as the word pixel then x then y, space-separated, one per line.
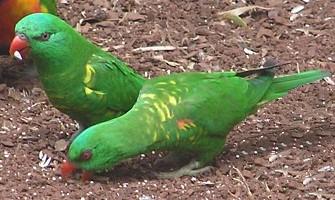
pixel 183 124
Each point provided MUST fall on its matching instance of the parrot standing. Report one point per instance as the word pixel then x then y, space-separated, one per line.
pixel 11 11
pixel 182 113
pixel 79 78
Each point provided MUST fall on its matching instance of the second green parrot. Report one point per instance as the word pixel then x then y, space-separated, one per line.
pixel 183 113
pixel 79 78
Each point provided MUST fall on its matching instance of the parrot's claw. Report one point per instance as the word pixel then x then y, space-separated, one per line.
pixel 191 169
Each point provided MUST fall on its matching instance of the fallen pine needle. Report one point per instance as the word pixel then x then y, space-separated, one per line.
pixel 244 182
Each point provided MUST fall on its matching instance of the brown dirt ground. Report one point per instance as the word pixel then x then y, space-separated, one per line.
pixel 285 151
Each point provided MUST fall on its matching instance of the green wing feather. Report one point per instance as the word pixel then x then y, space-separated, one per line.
pixel 114 79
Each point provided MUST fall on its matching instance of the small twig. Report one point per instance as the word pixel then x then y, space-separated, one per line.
pixel 169 35
pixel 244 182
pixel 284 172
pixel 155 48
pixel 123 18
pixel 267 187
pixel 329 80
pixel 317 195
pixel 229 192
pixel 171 63
pixel 298 68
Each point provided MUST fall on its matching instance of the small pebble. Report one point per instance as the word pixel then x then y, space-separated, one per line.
pixel 248 51
pixel 273 157
pixel 307 180
pixel 262 148
pixel 283 144
pixel 145 197
pixel 326 169
pixel 297 9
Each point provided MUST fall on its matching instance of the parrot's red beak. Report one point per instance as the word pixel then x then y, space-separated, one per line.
pixel 67 169
pixel 19 47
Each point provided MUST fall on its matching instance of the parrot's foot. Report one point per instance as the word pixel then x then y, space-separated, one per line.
pixel 191 169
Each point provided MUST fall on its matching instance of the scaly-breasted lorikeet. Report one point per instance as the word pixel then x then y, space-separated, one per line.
pixel 80 79
pixel 182 113
pixel 11 11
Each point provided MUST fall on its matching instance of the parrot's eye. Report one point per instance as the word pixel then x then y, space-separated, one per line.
pixel 22 36
pixel 86 155
pixel 44 36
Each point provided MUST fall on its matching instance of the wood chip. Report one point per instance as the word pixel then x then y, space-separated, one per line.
pixel 2 87
pixel 61 145
pixel 260 162
pixel 7 143
pixel 297 9
pixel 132 16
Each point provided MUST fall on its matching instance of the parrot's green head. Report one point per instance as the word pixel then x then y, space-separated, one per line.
pixel 99 147
pixel 47 40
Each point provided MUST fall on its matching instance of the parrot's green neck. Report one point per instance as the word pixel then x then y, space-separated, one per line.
pixel 65 80
pixel 65 71
pixel 151 131
pixel 143 134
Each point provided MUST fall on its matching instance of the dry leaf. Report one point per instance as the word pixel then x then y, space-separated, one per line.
pixel 234 15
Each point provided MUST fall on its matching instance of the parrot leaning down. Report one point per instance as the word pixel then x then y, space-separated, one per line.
pixel 183 113
pixel 79 78
pixel 11 11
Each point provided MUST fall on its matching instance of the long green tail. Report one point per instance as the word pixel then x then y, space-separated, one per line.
pixel 280 86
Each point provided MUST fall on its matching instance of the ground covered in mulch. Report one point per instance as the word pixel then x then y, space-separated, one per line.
pixel 285 151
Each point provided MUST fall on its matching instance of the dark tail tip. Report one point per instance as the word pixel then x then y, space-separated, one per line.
pixel 265 68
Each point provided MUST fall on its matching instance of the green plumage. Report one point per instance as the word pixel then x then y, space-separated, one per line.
pixel 188 112
pixel 50 5
pixel 80 79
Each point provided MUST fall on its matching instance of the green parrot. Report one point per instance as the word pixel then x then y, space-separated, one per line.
pixel 79 78
pixel 182 113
